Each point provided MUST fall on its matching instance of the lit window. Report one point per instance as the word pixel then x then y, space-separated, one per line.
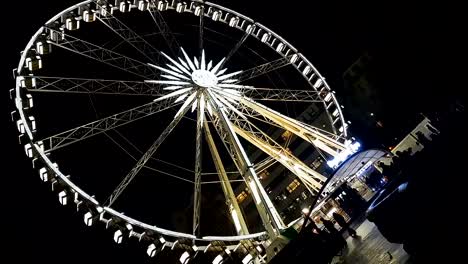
pixel 293 185
pixel 241 197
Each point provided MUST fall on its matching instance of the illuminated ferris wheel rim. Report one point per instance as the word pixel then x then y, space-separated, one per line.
pixel 215 12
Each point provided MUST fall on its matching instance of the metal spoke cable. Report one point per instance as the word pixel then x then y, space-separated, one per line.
pixel 133 145
pixel 208 182
pixel 156 159
pixel 216 173
pixel 147 167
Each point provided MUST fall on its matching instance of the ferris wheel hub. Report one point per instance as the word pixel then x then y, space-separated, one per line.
pixel 204 78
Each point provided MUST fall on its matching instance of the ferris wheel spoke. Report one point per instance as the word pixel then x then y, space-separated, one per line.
pixel 324 140
pixel 201 27
pixel 102 55
pixel 248 107
pixel 198 170
pixel 239 44
pixel 96 127
pixel 153 158
pixel 280 95
pixel 126 33
pixel 92 86
pixel 231 200
pixel 146 166
pixel 149 153
pixel 248 131
pixel 164 29
pixel 262 69
pixel 270 217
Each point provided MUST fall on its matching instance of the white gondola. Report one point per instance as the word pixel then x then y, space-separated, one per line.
pixel 43 47
pixel 107 10
pixel 33 63
pixel 280 47
pixel 32 122
pixel 28 103
pixel 89 16
pixel 216 15
pixel 63 199
pixel 28 82
pixel 198 10
pixel 118 236
pixel 265 37
pixel 162 5
pixel 88 219
pixel 143 5
pixel 233 21
pixel 72 24
pixel 180 7
pixel 125 7
pixel 294 58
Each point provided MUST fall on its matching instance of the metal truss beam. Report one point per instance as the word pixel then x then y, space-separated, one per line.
pixel 102 55
pixel 93 86
pixel 262 69
pixel 324 140
pixel 231 200
pixel 141 163
pixel 270 217
pixel 88 130
pixel 238 45
pixel 198 170
pixel 281 95
pixel 164 29
pixel 247 130
pixel 327 142
pixel 126 33
pixel 201 25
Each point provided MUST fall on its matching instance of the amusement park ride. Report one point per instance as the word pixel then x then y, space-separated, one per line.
pixel 185 74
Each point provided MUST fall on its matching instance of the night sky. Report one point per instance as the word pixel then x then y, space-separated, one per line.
pixel 415 48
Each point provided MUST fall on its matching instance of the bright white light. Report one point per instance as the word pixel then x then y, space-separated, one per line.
pixel 151 251
pixel 218 259
pixel 305 210
pixel 351 148
pixel 43 174
pixel 207 247
pixel 118 236
pixel 28 150
pixel 247 259
pixel 253 188
pixel 235 218
pixel 190 76
pixel 259 249
pixel 184 257
pixel 62 198
pixel 88 219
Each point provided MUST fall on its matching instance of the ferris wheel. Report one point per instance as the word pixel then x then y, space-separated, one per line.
pixel 201 82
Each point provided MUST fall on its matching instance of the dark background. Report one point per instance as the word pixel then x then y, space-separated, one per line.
pixel 416 46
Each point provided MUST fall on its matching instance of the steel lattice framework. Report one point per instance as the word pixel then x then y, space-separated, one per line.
pixel 223 100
